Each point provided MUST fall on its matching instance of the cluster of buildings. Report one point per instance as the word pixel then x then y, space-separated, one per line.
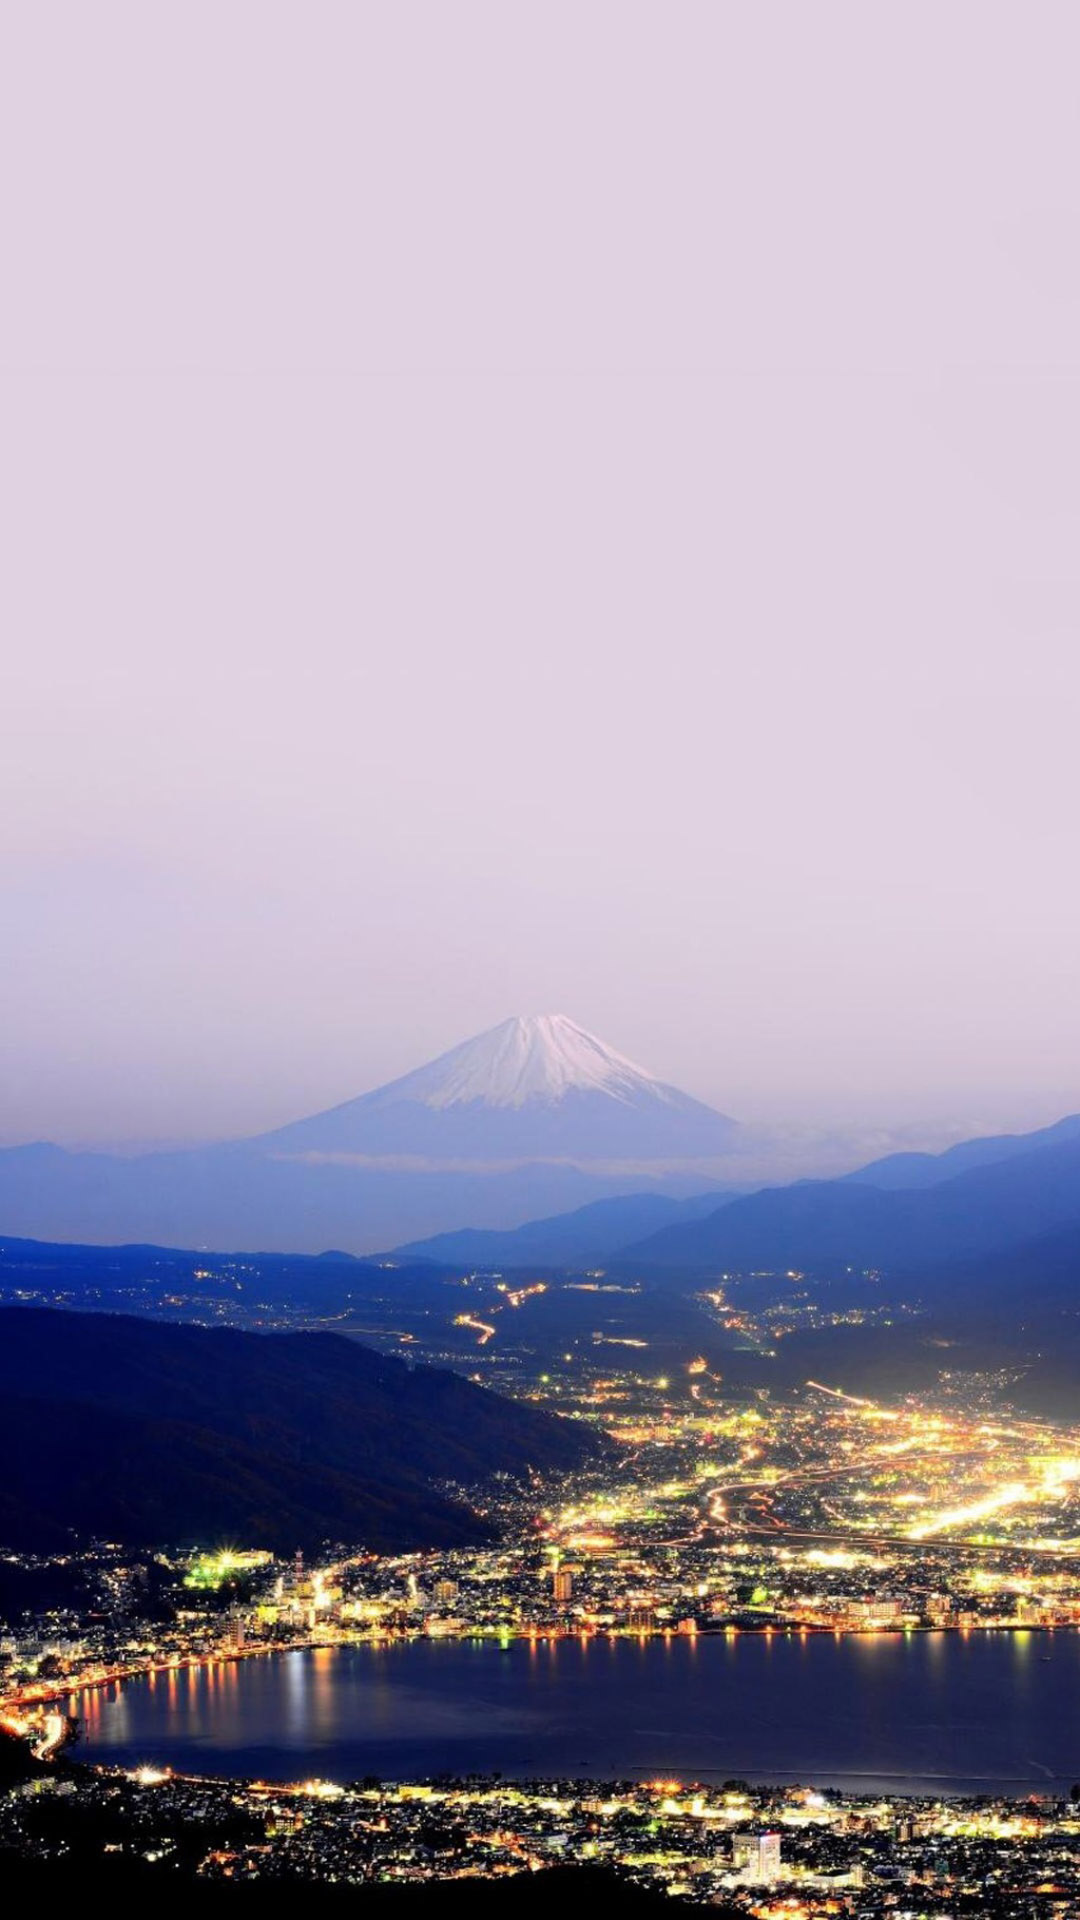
pixel 775 1854
pixel 824 1514
pixel 722 1514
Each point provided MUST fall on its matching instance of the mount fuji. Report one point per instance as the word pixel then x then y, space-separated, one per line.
pixel 535 1117
pixel 537 1087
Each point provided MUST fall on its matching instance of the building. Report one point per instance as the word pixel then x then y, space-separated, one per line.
pixel 757 1855
pixel 562 1585
pixel 880 1611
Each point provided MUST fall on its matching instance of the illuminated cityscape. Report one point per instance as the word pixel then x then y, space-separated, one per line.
pixel 823 1514
pixel 772 1855
pixel 828 1513
pixel 540 1139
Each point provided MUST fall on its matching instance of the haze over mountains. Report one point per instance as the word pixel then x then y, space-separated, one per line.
pixel 534 1117
pixel 977 1257
pixel 899 1170
pixel 536 1141
pixel 583 1238
pixel 981 1198
pixel 902 1213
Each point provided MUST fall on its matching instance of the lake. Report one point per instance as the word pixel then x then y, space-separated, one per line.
pixel 933 1712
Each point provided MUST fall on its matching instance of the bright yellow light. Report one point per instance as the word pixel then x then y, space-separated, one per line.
pixel 482 1327
pixel 1008 1496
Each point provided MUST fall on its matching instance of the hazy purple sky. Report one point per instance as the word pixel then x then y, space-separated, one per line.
pixel 512 507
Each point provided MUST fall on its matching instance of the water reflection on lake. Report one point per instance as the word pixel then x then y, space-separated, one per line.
pixel 945 1712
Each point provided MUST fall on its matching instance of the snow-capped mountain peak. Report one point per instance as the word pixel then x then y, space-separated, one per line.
pixel 535 1088
pixel 535 1057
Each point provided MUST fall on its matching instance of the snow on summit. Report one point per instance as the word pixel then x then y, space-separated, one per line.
pixel 536 1088
pixel 542 1056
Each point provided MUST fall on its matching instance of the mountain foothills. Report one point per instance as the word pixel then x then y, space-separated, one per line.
pixel 898 1214
pixel 582 1238
pixel 974 1267
pixel 978 1199
pixel 132 1430
pixel 652 1250
pixel 991 1205
pixel 535 1117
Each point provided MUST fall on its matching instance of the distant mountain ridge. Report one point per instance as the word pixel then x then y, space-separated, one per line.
pixel 534 1118
pixel 1031 1191
pixel 584 1238
pixel 768 1226
pixel 902 1170
pixel 518 1128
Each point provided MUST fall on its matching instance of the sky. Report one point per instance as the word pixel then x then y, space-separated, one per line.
pixel 569 506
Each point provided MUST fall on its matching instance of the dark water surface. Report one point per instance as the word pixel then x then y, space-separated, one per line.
pixel 931 1711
